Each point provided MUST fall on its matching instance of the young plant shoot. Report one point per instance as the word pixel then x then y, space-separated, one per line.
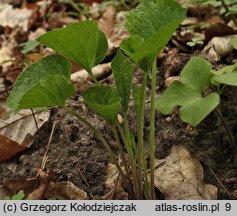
pixel 190 92
pixel 47 83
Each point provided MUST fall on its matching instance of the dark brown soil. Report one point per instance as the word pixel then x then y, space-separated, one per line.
pixel 75 151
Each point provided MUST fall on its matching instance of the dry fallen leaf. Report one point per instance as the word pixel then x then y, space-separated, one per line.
pixel 14 17
pixel 81 79
pixel 107 21
pixel 34 188
pixel 17 132
pixel 13 2
pixel 38 193
pixel 5 55
pixel 9 148
pixel 112 23
pixel 218 30
pixel 8 43
pixel 217 48
pixel 12 186
pixel 37 33
pixel 180 177
pixel 170 80
pixel 45 186
pixel 66 191
pixel 114 184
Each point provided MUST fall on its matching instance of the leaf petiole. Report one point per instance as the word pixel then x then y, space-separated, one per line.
pixel 99 136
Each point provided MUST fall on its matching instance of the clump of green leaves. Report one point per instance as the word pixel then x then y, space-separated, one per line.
pixel 29 46
pixel 189 93
pixel 195 42
pixel 82 42
pixel 47 82
pixel 19 196
pixel 226 7
pixel 198 92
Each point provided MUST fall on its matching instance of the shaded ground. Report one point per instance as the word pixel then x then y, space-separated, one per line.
pixel 76 155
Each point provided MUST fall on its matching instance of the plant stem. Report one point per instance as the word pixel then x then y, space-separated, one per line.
pixel 128 145
pixel 228 11
pixel 231 138
pixel 75 6
pixel 93 77
pixel 152 131
pixel 99 136
pixel 140 135
pixel 121 131
pixel 121 151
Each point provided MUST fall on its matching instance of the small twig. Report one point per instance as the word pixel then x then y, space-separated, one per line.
pixel 227 191
pixel 26 116
pixel 45 157
pixel 65 133
pixel 228 11
pixel 231 138
pixel 6 90
pixel 36 124
pixel 83 177
pixel 232 180
pixel 115 186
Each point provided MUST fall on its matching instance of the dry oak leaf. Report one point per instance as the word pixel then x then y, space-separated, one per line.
pixel 114 183
pixel 112 23
pixel 180 177
pixel 65 190
pixel 217 48
pixel 107 21
pixel 12 186
pixel 34 189
pixel 38 193
pixel 17 132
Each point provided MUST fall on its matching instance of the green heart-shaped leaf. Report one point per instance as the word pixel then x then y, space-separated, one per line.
pixel 82 42
pixel 122 70
pixel 225 69
pixel 104 100
pixel 227 78
pixel 51 90
pixel 44 83
pixel 226 75
pixel 151 25
pixel 29 46
pixel 188 93
pixel 196 74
